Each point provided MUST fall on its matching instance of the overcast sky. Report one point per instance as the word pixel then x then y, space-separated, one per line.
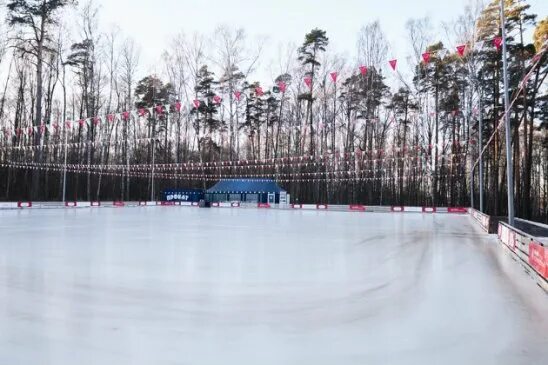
pixel 153 23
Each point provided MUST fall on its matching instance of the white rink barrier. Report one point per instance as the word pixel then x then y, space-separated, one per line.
pixel 487 223
pixel 8 205
pixel 413 209
pixel 527 250
pixel 297 206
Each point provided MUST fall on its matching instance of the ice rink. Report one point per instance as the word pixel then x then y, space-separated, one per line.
pixel 175 285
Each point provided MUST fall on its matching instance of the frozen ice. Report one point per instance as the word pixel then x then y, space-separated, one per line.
pixel 174 285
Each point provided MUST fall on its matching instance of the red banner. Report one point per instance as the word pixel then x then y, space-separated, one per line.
pixel 357 208
pixel 426 57
pixel 461 49
pixel 538 258
pixel 497 42
pixel 363 70
pixel 263 205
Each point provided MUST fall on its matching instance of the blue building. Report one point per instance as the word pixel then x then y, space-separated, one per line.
pixel 247 190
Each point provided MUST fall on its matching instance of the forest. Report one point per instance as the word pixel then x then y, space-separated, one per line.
pixel 76 108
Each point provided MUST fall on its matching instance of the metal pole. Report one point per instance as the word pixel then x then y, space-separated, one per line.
pixel 509 162
pixel 472 188
pixel 480 142
pixel 468 119
pixel 65 166
pixel 152 169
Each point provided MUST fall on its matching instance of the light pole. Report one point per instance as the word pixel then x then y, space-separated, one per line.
pixel 152 168
pixel 65 165
pixel 509 162
pixel 480 144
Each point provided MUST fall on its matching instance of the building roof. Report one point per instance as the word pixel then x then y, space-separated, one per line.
pixel 245 186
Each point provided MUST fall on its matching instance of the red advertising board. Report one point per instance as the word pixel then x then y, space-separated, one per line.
pixel 538 258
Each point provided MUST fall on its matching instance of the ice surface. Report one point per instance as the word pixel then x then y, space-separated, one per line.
pixel 172 285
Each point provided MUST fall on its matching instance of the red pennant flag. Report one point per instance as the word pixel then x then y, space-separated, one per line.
pixel 68 124
pixel 308 82
pixel 497 42
pixel 110 118
pixel 125 116
pixel 42 128
pixel 96 120
pixel 393 64
pixel 159 109
pixel 426 57
pixel 461 49
pixel 238 95
pixel 363 70
pixel 259 91
pixel 334 76
pixel 197 103
pixel 142 112
pixel 217 99
pixel 81 122
pixel 282 85
pixel 178 105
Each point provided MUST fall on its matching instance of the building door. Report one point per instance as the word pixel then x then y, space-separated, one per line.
pixel 283 198
pixel 271 198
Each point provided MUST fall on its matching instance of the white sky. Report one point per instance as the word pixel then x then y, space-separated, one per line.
pixel 153 23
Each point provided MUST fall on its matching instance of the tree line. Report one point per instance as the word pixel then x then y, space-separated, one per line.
pixel 329 129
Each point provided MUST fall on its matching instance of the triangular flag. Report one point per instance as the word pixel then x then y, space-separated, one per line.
pixel 217 99
pixel 238 95
pixel 363 70
pixel 178 106
pixel 308 82
pixel 125 116
pixel 259 91
pixel 142 112
pixel 426 57
pixel 282 86
pixel 461 49
pixel 159 109
pixel 197 103
pixel 497 42
pixel 393 64
pixel 110 118
pixel 334 76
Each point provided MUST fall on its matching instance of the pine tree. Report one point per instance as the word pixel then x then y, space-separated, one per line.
pixel 315 42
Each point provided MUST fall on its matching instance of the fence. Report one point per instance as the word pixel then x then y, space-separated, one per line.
pixel 529 251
